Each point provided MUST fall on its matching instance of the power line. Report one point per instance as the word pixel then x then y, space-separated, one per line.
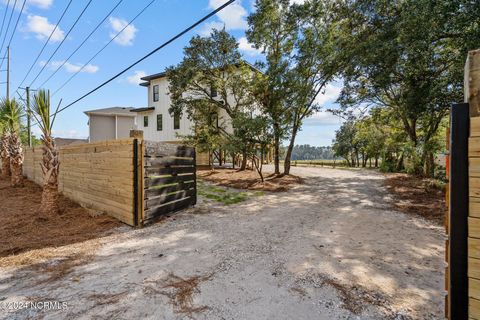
pixel 4 16
pixel 60 44
pixel 103 48
pixel 8 25
pixel 45 44
pixel 81 44
pixel 14 30
pixel 149 54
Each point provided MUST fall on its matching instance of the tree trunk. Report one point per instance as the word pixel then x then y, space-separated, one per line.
pixel 16 160
pixel 244 161
pixel 50 167
pixel 16 178
pixel 276 132
pixel 376 161
pixel 430 165
pixel 5 166
pixel 49 203
pixel 288 156
pixel 4 156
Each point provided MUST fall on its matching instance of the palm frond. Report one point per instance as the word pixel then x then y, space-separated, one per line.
pixel 41 108
pixel 10 115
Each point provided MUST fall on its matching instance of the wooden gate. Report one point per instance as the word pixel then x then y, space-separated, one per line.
pixel 169 179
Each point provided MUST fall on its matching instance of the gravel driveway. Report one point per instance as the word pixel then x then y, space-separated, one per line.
pixel 330 249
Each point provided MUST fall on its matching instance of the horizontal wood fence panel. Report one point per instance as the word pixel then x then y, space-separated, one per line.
pixel 168 208
pixel 475 127
pixel 98 176
pixel 474 207
pixel 474 288
pixel 474 248
pixel 153 181
pixel 169 178
pixel 168 161
pixel 474 268
pixel 153 192
pixel 151 171
pixel 474 227
pixel 155 149
pixel 473 308
pixel 158 201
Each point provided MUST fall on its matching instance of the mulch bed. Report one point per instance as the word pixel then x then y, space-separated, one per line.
pixel 418 196
pixel 250 180
pixel 23 229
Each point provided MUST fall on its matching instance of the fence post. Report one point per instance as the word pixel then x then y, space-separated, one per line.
pixel 458 213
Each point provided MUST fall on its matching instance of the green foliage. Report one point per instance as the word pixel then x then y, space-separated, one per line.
pixel 406 58
pixel 10 116
pixel 42 112
pixel 224 195
pixel 308 152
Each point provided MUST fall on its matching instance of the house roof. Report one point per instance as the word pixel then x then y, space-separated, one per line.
pixel 142 109
pixel 163 74
pixel 112 111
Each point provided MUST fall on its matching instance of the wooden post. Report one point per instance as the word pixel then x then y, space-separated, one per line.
pixel 457 281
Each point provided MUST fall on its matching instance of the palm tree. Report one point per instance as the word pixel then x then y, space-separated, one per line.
pixel 4 137
pixel 11 114
pixel 50 163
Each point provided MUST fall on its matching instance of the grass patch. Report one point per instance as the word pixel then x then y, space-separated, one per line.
pixel 224 195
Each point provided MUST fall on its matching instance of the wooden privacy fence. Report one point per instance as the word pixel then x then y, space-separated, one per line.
pixel 169 178
pixel 463 225
pixel 131 180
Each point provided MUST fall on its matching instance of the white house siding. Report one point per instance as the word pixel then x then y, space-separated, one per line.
pixel 124 125
pixel 102 128
pixel 161 107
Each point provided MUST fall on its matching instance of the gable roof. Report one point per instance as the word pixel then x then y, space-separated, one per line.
pixel 112 111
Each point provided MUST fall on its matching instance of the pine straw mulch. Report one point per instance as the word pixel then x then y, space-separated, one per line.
pixel 250 180
pixel 417 196
pixel 180 292
pixel 24 231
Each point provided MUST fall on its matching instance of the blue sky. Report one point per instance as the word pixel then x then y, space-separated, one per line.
pixel 163 19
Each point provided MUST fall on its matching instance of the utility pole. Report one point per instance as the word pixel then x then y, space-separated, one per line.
pixel 8 72
pixel 29 114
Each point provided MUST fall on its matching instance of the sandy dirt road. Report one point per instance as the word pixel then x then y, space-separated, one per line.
pixel 330 249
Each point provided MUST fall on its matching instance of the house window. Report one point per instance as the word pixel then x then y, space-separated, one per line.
pixel 155 93
pixel 176 121
pixel 145 121
pixel 159 122
pixel 213 91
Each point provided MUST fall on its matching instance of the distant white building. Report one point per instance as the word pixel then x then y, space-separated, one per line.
pixel 110 123
pixel 156 122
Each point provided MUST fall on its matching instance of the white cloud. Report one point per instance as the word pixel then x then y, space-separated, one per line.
pixel 329 95
pixel 233 17
pixel 125 38
pixel 42 28
pixel 209 26
pixel 247 47
pixel 42 4
pixel 136 77
pixel 71 67
pixel 323 118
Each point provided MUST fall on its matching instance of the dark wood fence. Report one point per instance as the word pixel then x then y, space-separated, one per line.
pixel 170 182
